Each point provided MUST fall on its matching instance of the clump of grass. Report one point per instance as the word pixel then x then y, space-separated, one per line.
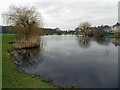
pixel 22 43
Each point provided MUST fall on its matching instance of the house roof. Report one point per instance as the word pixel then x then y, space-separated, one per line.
pixel 116 25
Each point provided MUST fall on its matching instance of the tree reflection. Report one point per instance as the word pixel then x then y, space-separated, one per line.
pixel 116 41
pixel 83 41
pixel 28 57
pixel 107 52
pixel 102 40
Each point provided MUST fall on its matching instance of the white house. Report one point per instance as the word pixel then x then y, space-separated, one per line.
pixel 107 29
pixel 116 27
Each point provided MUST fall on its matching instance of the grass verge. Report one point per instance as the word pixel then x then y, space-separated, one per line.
pixel 11 78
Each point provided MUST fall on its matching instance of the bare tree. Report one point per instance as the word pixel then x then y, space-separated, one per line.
pixel 25 21
pixel 84 27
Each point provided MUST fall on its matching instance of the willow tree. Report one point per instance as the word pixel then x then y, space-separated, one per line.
pixel 25 23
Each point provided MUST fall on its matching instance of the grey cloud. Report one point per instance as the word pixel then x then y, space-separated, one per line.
pixel 67 15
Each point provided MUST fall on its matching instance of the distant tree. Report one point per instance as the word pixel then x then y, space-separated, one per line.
pixel 77 30
pixel 26 23
pixel 99 32
pixel 84 27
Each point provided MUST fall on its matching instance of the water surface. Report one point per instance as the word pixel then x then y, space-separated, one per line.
pixel 86 62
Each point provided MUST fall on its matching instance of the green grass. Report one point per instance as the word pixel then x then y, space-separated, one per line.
pixel 110 36
pixel 11 78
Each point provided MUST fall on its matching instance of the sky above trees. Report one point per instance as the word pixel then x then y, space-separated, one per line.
pixel 67 14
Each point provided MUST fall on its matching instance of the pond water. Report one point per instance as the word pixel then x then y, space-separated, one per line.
pixel 68 59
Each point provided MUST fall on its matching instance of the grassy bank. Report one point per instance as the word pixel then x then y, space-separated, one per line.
pixel 11 78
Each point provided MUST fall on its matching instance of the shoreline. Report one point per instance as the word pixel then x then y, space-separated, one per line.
pixel 13 78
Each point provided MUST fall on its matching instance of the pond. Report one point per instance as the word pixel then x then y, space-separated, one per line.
pixel 69 59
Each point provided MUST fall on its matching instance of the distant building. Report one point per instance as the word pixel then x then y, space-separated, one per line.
pixel 116 27
pixel 107 29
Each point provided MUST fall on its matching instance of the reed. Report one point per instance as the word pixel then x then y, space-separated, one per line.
pixel 30 43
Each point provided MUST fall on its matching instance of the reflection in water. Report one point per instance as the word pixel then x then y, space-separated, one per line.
pixel 83 41
pixel 107 52
pixel 116 41
pixel 102 40
pixel 65 62
pixel 28 57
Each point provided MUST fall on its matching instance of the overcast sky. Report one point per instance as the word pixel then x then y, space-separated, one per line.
pixel 67 14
